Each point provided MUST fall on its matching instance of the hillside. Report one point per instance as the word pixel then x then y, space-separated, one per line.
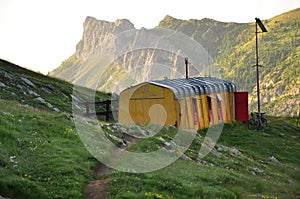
pixel 244 164
pixel 42 155
pixel 114 55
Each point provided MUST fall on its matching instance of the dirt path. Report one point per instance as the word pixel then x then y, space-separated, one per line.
pixel 98 189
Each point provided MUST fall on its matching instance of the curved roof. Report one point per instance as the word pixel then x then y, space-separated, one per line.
pixel 195 86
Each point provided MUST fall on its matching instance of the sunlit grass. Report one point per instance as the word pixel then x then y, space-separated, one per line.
pixel 41 155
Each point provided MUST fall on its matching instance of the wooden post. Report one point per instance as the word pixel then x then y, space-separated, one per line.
pixel 106 113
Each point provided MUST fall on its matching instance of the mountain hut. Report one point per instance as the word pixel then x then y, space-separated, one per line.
pixel 192 103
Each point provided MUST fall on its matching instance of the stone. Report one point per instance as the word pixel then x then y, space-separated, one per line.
pixel 40 100
pixel 56 110
pixel 7 75
pixel 27 81
pixel 30 92
pixel 185 157
pixel 201 161
pixel 47 90
pixel 210 149
pixel 234 152
pixel 168 146
pixel 74 98
pixel 2 85
pixel 49 105
pixel 44 102
pixel 257 170
pixel 273 159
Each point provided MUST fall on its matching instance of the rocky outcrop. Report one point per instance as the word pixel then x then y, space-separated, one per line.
pixel 97 34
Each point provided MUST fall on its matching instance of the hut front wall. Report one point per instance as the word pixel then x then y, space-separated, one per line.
pixel 148 103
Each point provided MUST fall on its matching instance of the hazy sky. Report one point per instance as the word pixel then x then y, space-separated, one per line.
pixel 40 34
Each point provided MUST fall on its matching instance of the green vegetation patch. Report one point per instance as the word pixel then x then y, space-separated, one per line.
pixel 244 164
pixel 41 155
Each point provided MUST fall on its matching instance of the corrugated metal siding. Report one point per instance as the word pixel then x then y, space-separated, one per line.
pixel 195 86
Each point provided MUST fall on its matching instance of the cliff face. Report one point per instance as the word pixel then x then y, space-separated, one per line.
pixel 97 33
pixel 114 55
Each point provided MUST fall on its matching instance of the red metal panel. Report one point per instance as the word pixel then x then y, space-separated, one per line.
pixel 241 106
pixel 195 111
pixel 210 113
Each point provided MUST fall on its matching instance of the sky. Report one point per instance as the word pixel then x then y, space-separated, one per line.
pixel 41 34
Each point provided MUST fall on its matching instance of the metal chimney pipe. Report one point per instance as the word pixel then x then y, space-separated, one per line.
pixel 186 60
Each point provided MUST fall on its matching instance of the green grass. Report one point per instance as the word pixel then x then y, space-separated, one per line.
pixel 41 155
pixel 226 176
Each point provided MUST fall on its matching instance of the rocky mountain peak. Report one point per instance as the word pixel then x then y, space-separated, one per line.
pixel 168 20
pixel 97 32
pixel 124 24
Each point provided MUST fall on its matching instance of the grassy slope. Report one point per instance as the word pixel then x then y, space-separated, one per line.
pixel 252 175
pixel 41 155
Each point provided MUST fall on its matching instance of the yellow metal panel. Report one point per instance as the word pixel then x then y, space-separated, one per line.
pixel 195 113
pixel 183 116
pixel 223 106
pixel 205 110
pixel 158 113
pixel 214 109
pixel 132 110
pixel 189 113
pixel 177 113
pixel 146 104
pixel 169 104
pixel 152 102
pixel 221 100
pixel 227 104
pixel 200 113
pixel 139 118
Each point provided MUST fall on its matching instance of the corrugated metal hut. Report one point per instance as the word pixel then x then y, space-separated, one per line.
pixel 192 103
